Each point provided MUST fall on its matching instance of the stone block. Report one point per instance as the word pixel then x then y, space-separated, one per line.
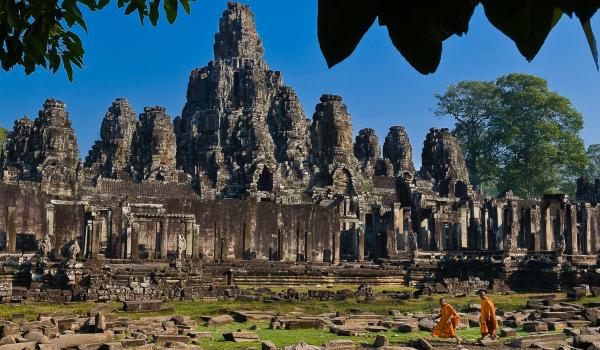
pixel 305 324
pixel 535 326
pixel 241 337
pixel 133 343
pixel 578 323
pixel 381 340
pixel 142 305
pixel 557 326
pixel 268 345
pixel 508 332
pixel 163 339
pixel 220 320
pixel 408 327
pixel 529 340
pixel 426 325
pixel 339 344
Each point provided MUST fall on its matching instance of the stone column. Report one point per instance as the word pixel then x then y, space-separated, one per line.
pixel 94 239
pixel 440 235
pixel 515 223
pixel 196 242
pixel 391 244
pixel 475 227
pixel 11 229
pixel 86 238
pixel 499 228
pixel 189 238
pixel 308 243
pixel 164 238
pixel 109 234
pixel 484 229
pixel 548 230
pixel 376 227
pixel 424 234
pixel 464 229
pixel 336 248
pixel 571 233
pixel 361 244
pixel 50 219
pixel 533 241
pixel 50 228
pixel 586 228
pixel 134 244
pixel 398 217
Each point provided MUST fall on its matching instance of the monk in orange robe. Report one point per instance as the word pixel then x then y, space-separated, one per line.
pixel 446 326
pixel 487 321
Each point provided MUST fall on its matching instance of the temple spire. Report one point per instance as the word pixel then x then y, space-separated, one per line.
pixel 237 36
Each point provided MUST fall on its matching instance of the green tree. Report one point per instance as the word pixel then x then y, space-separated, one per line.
pixel 41 33
pixel 472 105
pixel 3 136
pixel 540 149
pixel 529 135
pixel 592 170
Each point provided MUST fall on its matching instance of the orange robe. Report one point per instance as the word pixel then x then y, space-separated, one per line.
pixel 445 329
pixel 487 321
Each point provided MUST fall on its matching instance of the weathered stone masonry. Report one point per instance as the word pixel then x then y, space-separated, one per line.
pixel 243 188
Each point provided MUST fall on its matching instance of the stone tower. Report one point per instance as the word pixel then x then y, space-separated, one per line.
pixel 45 150
pixel 443 162
pixel 366 146
pixel 154 147
pixel 398 150
pixel 240 122
pixel 110 156
pixel 331 132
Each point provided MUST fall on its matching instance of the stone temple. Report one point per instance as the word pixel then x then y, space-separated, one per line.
pixel 243 188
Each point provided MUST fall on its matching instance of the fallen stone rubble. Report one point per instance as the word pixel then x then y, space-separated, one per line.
pixel 550 324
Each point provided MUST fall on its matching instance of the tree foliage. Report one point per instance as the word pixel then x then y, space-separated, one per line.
pixel 41 33
pixel 3 135
pixel 517 134
pixel 592 170
pixel 418 28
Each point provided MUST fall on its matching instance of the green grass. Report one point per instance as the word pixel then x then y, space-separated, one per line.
pixel 314 336
pixel 311 307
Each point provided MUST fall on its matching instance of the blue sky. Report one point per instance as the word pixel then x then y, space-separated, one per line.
pixel 151 65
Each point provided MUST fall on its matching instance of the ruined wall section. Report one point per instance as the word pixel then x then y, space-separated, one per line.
pixel 22 211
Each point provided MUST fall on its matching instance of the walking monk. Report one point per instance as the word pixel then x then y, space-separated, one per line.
pixel 446 326
pixel 487 321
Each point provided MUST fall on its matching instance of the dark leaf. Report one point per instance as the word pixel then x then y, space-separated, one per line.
pixel 154 14
pixel 131 7
pixel 526 22
pixel 67 65
pixel 91 4
pixel 102 3
pixel 418 28
pixel 585 9
pixel 341 24
pixel 54 60
pixel 589 35
pixel 171 10
pixel 186 5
